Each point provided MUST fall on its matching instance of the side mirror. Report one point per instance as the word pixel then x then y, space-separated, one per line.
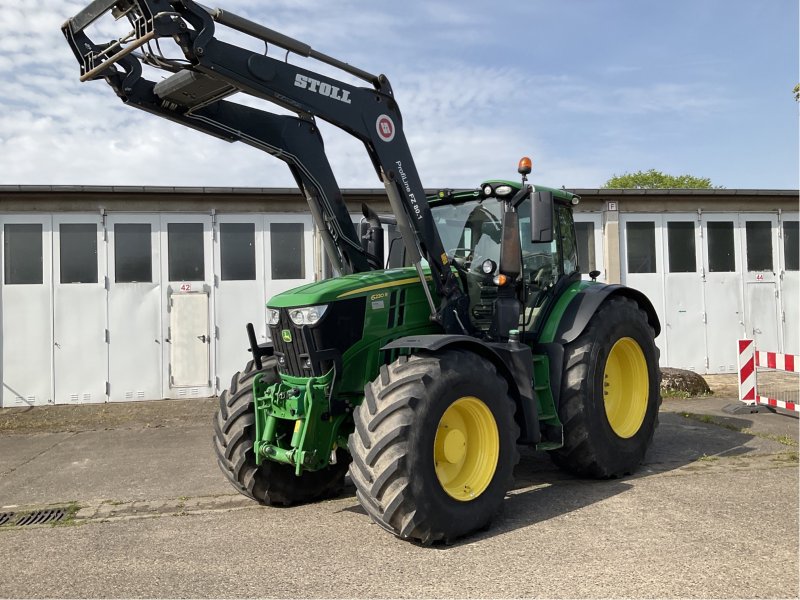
pixel 542 217
pixel 371 234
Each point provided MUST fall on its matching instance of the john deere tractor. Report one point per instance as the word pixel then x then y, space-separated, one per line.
pixel 421 381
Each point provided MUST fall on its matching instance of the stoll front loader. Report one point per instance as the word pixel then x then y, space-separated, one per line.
pixel 421 380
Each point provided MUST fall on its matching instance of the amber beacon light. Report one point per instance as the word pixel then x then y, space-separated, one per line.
pixel 525 166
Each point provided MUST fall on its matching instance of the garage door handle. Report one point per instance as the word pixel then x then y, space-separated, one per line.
pixel 202 338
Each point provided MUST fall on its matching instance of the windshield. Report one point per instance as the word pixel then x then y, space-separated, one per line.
pixel 471 233
pixel 470 230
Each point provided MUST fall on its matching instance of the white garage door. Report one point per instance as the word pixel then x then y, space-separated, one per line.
pixel 27 337
pixel 134 307
pixel 80 355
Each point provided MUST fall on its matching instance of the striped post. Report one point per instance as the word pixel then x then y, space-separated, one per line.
pixel 747 371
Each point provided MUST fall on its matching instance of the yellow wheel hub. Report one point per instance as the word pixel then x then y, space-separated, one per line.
pixel 466 448
pixel 626 387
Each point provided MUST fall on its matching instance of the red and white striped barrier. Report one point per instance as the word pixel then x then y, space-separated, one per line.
pixel 749 359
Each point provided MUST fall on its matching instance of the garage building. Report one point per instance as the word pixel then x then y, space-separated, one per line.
pixel 138 293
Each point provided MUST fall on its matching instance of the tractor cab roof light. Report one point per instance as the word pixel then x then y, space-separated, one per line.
pixel 501 191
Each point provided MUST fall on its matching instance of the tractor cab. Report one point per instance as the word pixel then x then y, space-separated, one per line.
pixel 471 226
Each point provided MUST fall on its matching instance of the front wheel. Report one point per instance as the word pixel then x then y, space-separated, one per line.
pixel 234 435
pixel 610 393
pixel 434 446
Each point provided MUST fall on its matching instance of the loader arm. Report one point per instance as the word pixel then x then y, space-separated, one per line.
pixel 294 140
pixel 214 69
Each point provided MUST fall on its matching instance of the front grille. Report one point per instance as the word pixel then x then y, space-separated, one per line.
pixel 340 327
pixel 294 353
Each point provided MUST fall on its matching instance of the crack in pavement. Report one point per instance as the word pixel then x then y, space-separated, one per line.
pixel 35 456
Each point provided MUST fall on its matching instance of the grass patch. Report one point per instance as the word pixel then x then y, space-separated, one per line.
pixel 675 394
pixel 69 519
pixel 787 457
pixel 682 394
pixel 708 458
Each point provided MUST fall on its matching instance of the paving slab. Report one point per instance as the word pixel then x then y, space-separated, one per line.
pixel 114 464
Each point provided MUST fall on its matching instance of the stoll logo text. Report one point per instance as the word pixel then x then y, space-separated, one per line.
pixel 320 87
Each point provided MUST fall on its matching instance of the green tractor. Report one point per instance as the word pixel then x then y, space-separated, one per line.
pixel 429 422
pixel 420 380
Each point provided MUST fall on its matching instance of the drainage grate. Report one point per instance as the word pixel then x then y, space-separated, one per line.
pixel 37 517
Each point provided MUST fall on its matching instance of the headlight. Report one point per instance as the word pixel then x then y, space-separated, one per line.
pixel 308 315
pixel 488 266
pixel 273 316
pixel 487 190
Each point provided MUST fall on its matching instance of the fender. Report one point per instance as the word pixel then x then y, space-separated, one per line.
pixel 514 362
pixel 585 304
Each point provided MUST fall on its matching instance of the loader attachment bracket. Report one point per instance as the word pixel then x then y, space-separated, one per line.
pixel 146 26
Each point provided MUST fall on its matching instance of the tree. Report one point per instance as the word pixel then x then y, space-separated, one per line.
pixel 652 179
pixel 797 92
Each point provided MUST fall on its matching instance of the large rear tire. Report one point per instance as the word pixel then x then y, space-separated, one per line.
pixel 434 446
pixel 610 393
pixel 271 483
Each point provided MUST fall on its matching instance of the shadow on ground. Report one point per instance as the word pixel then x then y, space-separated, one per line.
pixel 542 492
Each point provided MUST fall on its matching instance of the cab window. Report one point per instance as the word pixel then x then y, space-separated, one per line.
pixel 566 236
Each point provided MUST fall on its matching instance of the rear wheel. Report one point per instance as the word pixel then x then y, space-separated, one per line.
pixel 610 393
pixel 269 483
pixel 434 446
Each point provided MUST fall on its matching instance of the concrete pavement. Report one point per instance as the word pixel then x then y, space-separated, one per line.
pixel 711 513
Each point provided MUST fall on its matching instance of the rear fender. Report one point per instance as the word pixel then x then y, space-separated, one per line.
pixel 586 303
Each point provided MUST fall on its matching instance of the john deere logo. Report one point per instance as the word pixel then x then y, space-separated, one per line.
pixel 286 335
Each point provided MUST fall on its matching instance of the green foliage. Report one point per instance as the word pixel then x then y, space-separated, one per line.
pixel 652 179
pixel 797 92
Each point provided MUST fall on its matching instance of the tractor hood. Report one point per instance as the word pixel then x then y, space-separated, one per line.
pixel 348 286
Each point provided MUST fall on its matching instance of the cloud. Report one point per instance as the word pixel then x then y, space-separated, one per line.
pixel 468 114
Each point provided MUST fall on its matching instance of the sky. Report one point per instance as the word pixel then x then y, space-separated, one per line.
pixel 587 88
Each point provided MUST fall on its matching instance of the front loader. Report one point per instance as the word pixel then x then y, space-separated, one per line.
pixel 422 380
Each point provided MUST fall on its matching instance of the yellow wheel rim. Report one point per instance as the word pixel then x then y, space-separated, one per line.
pixel 466 448
pixel 626 387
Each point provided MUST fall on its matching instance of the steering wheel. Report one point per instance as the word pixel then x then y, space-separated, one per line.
pixel 461 264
